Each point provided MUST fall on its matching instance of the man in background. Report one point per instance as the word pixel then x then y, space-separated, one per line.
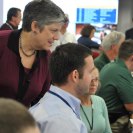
pixel 110 47
pixel 129 32
pixel 13 19
pixel 15 118
pixel 117 88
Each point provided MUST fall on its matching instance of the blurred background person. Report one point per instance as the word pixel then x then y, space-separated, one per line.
pixel 15 118
pixel 87 33
pixel 117 88
pixel 129 32
pixel 110 47
pixel 93 108
pixel 13 19
pixel 65 36
pixel 27 51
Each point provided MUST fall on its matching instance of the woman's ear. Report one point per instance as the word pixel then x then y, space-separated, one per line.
pixel 34 27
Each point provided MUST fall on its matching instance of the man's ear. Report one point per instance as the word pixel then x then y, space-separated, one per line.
pixel 75 75
pixel 34 27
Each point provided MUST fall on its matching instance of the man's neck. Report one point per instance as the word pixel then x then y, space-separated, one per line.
pixel 110 55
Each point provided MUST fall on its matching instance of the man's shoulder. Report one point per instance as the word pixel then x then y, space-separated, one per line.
pixel 113 69
pixel 98 59
pixel 5 27
pixel 97 99
pixel 100 62
pixel 4 35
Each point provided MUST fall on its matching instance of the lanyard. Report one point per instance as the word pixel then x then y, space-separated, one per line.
pixel 91 126
pixel 55 94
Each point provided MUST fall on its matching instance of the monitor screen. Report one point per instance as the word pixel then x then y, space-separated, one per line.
pixel 97 11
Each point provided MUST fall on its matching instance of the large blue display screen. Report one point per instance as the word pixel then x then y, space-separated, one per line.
pixel 92 15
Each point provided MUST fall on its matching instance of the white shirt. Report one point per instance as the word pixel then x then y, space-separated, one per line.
pixel 64 38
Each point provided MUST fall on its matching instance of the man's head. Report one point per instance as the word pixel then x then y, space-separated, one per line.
pixel 112 42
pixel 71 63
pixel 15 118
pixel 14 16
pixel 126 53
pixel 41 13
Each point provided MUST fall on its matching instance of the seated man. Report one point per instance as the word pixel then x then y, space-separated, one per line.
pixel 117 88
pixel 110 46
pixel 15 118
pixel 59 110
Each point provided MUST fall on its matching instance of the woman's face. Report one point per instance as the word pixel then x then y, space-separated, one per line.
pixel 92 33
pixel 44 39
pixel 94 82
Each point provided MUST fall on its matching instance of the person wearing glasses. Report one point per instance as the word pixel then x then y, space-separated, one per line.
pixel 93 108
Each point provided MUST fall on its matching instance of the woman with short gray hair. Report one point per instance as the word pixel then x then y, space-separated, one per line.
pixel 27 78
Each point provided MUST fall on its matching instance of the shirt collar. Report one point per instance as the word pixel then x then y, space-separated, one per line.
pixel 104 56
pixel 72 100
pixel 12 27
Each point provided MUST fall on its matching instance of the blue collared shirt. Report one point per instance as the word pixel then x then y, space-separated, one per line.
pixel 55 116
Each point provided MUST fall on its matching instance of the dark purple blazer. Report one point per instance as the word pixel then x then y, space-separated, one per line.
pixel 12 74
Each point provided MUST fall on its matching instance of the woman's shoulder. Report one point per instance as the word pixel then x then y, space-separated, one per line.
pixel 4 35
pixel 98 102
pixel 97 99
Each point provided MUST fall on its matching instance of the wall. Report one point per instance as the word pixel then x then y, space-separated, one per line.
pixel 125 15
pixel 124 19
pixel 1 12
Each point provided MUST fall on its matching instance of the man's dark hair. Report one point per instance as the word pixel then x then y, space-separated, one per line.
pixel 86 30
pixel 14 117
pixel 44 12
pixel 12 12
pixel 126 49
pixel 65 59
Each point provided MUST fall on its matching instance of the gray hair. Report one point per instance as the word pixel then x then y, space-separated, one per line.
pixel 44 12
pixel 114 38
